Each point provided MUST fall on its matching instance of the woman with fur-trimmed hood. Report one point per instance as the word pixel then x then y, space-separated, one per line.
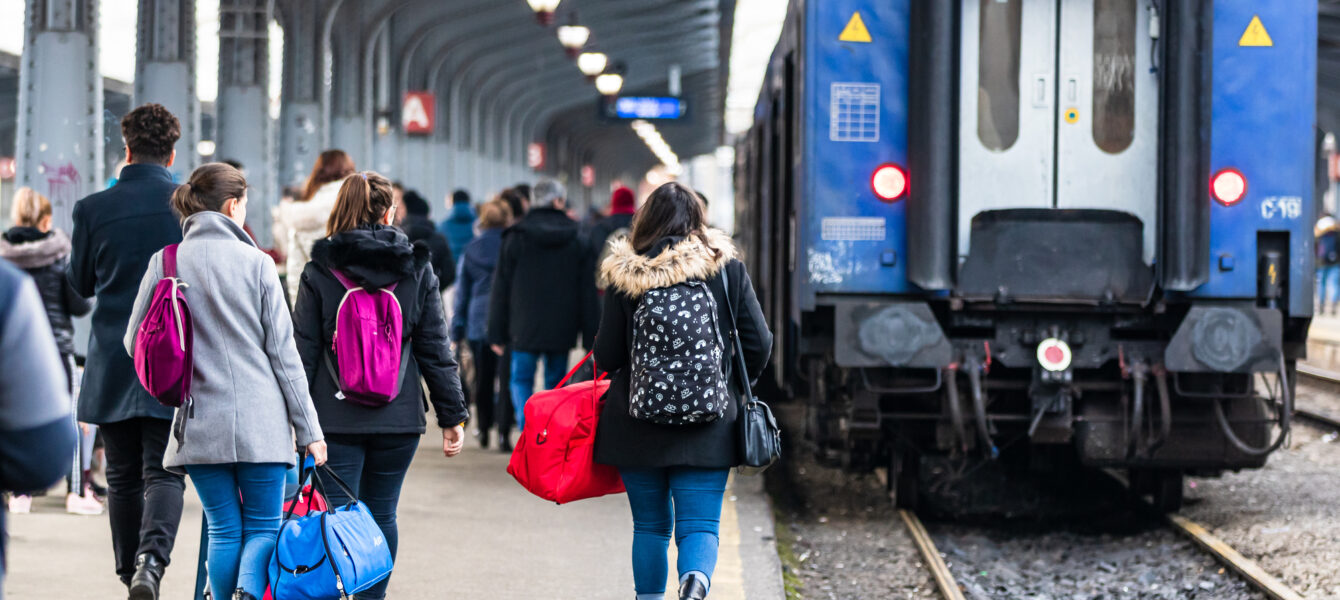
pixel 675 474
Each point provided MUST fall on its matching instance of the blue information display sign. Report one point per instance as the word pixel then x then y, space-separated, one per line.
pixel 646 107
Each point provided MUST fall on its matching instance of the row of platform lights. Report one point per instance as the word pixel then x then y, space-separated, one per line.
pixel 594 65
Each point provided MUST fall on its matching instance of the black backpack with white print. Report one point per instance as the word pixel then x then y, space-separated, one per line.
pixel 677 376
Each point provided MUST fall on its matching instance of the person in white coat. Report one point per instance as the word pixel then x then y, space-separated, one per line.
pixel 300 223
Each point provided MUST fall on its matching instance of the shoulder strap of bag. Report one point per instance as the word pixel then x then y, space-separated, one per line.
pixel 349 283
pixel 738 350
pixel 170 261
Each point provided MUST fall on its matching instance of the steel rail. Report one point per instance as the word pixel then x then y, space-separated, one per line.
pixel 944 580
pixel 1243 566
pixel 1327 376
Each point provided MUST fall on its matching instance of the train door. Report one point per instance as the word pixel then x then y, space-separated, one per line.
pixel 1107 134
pixel 1058 109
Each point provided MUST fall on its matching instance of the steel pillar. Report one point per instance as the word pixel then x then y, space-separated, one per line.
pixel 382 111
pixel 350 130
pixel 60 146
pixel 302 126
pixel 243 104
pixel 165 71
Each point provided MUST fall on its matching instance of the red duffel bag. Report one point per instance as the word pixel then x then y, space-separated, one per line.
pixel 555 457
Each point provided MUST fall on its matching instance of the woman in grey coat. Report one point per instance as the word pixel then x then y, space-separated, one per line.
pixel 249 393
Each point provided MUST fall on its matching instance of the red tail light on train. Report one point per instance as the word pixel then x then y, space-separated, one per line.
pixel 889 182
pixel 1228 186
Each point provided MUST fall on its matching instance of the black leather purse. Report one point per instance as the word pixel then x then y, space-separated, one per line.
pixel 760 438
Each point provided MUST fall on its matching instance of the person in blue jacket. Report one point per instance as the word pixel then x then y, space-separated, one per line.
pixel 115 232
pixel 469 321
pixel 459 227
pixel 36 434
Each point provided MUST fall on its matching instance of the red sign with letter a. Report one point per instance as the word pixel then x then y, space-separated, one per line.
pixel 416 113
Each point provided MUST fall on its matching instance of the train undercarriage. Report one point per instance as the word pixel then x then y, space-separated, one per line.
pixel 975 392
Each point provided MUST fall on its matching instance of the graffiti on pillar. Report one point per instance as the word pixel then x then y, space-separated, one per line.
pixel 63 186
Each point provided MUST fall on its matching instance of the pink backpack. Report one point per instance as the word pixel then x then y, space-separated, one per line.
pixel 163 340
pixel 369 351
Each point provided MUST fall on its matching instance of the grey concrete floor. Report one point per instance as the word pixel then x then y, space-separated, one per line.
pixel 467 530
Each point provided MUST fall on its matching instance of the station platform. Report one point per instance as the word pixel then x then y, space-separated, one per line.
pixel 467 530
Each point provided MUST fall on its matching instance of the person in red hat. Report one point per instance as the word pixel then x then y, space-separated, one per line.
pixel 614 226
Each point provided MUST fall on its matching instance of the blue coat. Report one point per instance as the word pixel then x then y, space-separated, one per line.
pixel 470 319
pixel 459 227
pixel 115 233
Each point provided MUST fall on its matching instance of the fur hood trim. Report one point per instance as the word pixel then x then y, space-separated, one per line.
pixel 37 253
pixel 688 259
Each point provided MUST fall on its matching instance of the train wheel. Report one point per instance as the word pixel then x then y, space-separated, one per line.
pixel 1167 492
pixel 904 478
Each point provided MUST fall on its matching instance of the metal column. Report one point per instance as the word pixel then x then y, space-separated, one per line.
pixel 301 124
pixel 165 70
pixel 349 129
pixel 60 145
pixel 243 103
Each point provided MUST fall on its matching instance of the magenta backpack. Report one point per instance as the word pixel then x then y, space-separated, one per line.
pixel 369 350
pixel 163 340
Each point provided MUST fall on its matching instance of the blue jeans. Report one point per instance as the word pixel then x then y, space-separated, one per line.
pixel 686 500
pixel 374 466
pixel 243 502
pixel 523 377
pixel 1328 284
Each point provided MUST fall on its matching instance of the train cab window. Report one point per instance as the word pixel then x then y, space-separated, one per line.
pixel 1114 74
pixel 998 74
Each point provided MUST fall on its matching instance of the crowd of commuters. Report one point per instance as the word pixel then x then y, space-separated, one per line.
pixel 523 280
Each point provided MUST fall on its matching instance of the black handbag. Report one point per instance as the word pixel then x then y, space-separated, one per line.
pixel 760 438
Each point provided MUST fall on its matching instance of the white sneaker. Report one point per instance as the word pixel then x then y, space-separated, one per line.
pixel 83 505
pixel 21 505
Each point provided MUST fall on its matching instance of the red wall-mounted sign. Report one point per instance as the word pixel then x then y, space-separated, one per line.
pixel 535 156
pixel 416 113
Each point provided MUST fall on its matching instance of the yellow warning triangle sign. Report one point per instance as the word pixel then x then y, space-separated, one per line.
pixel 855 30
pixel 1256 34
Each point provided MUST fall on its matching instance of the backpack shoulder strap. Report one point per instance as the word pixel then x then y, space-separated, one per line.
pixel 349 283
pixel 170 260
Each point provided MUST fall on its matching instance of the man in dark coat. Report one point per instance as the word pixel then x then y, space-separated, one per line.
pixel 543 294
pixel 419 228
pixel 36 434
pixel 115 233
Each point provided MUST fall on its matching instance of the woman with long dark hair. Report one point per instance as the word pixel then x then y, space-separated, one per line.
pixel 371 447
pixel 675 473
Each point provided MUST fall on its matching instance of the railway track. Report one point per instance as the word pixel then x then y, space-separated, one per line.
pixel 1247 569
pixel 1327 377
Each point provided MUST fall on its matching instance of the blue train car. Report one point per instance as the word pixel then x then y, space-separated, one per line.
pixel 1077 229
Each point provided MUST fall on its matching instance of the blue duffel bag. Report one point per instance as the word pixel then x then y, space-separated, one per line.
pixel 328 555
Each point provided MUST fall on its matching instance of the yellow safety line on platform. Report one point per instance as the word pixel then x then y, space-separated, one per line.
pixel 728 583
pixel 944 580
pixel 1244 566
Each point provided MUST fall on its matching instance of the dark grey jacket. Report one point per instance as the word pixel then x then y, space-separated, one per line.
pixel 46 257
pixel 248 389
pixel 115 232
pixel 624 441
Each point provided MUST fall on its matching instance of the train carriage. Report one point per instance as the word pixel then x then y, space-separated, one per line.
pixel 1069 228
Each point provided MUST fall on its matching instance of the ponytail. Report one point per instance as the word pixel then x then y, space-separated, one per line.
pixel 363 200
pixel 210 187
pixel 29 208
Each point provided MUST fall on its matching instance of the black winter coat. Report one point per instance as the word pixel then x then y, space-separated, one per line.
pixel 115 232
pixel 421 230
pixel 375 257
pixel 46 257
pixel 624 441
pixel 544 289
